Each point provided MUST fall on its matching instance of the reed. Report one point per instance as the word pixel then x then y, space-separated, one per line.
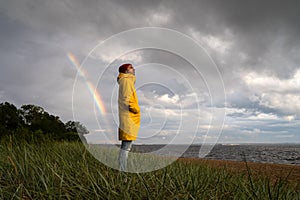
pixel 66 170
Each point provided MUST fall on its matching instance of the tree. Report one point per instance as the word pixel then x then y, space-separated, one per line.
pixel 37 118
pixel 9 116
pixel 33 123
pixel 76 127
pixel 31 114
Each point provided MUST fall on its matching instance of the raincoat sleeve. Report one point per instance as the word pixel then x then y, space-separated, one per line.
pixel 128 97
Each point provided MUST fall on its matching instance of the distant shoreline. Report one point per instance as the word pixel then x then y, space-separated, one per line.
pixel 259 153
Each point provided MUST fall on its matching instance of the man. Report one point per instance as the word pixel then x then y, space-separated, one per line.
pixel 129 112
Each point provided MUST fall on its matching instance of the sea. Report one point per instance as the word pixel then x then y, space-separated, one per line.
pixel 261 153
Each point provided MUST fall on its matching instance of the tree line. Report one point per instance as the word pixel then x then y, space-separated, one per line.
pixel 33 123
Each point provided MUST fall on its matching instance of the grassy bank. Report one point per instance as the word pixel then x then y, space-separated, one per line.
pixel 64 170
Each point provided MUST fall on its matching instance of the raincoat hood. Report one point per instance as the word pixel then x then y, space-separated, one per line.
pixel 129 76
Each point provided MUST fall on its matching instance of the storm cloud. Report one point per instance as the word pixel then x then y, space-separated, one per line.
pixel 254 44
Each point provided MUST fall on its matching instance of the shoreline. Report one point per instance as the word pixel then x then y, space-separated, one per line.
pixel 274 171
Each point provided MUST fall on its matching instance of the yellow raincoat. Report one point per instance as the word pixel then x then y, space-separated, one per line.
pixel 129 110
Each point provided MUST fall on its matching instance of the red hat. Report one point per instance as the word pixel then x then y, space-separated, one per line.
pixel 123 68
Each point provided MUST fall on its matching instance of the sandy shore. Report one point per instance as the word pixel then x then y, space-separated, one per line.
pixel 274 171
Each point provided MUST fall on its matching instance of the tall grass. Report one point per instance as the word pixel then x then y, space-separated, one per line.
pixel 65 170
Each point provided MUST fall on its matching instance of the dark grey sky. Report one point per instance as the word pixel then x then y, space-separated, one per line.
pixel 255 44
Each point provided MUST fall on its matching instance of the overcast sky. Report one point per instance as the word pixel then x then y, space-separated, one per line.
pixel 254 44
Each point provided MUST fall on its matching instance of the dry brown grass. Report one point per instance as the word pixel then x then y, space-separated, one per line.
pixel 291 173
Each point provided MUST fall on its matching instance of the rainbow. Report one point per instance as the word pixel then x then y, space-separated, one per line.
pixel 90 86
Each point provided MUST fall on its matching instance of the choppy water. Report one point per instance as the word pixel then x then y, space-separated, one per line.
pixel 263 153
